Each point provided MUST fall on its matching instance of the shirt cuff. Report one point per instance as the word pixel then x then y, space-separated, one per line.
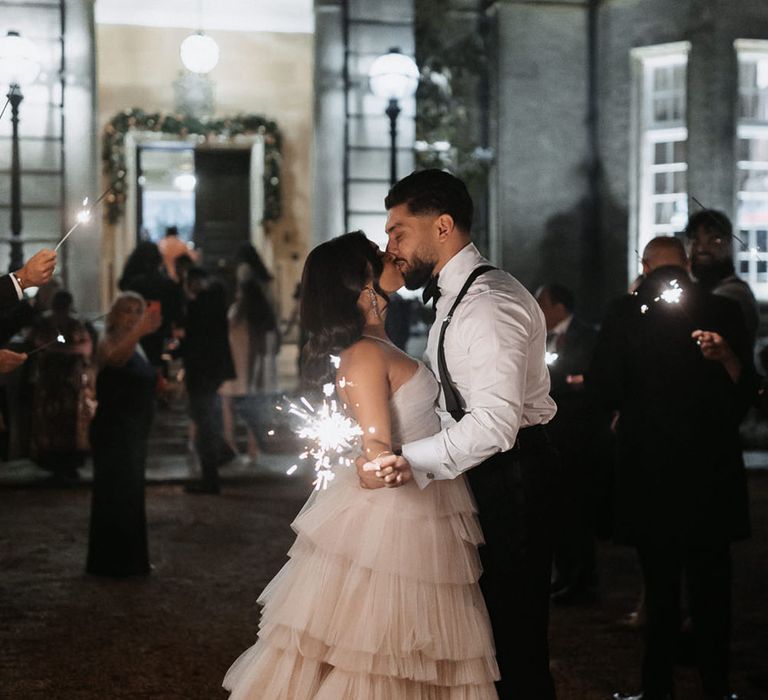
pixel 17 287
pixel 422 455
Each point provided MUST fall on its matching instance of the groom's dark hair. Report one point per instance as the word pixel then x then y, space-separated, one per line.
pixel 433 192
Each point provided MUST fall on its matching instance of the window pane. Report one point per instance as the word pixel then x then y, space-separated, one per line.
pixel 680 152
pixel 743 267
pixel 661 111
pixel 680 182
pixel 660 153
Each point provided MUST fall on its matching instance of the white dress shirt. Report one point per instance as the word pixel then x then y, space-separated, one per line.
pixel 494 351
pixel 553 336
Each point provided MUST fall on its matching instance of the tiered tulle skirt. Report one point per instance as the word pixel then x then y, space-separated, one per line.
pixel 379 601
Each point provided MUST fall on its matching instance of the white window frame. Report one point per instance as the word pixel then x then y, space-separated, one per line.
pixel 745 249
pixel 645 134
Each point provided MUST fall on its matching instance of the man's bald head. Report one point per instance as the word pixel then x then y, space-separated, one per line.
pixel 664 250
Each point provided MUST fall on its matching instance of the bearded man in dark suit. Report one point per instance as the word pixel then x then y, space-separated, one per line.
pixel 680 484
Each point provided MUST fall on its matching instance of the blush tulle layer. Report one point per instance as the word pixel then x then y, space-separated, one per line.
pixel 378 601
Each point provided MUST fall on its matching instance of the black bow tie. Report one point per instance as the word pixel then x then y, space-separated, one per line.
pixel 431 291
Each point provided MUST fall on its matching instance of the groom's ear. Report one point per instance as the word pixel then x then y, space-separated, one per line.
pixel 444 225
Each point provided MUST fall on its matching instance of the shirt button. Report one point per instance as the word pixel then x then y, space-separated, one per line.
pixel 430 475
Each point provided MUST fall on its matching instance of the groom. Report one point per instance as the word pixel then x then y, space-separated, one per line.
pixel 487 348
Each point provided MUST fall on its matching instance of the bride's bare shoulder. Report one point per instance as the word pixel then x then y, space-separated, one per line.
pixel 364 356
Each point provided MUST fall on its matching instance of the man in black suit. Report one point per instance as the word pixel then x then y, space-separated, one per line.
pixel 680 485
pixel 574 430
pixel 207 363
pixel 36 271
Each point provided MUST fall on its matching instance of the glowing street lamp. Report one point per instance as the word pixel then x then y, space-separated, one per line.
pixel 19 66
pixel 393 77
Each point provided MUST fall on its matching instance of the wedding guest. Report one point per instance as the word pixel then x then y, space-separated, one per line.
pixel 680 485
pixel 171 248
pixel 125 390
pixel 577 430
pixel 63 389
pixel 143 274
pixel 36 271
pixel 710 239
pixel 207 363
pixel 252 326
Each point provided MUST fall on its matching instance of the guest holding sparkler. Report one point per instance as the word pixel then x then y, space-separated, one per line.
pixel 143 274
pixel 680 486
pixel 578 430
pixel 36 271
pixel 62 389
pixel 380 597
pixel 710 240
pixel 125 390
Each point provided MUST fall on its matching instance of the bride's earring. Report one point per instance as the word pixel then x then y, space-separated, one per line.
pixel 374 303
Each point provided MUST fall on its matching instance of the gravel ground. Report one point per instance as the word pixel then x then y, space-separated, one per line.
pixel 172 635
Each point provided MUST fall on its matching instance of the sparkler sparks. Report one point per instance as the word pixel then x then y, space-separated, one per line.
pixel 330 433
pixel 84 215
pixel 672 295
pixel 331 436
pixel 550 357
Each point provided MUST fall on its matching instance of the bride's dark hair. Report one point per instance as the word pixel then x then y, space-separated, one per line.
pixel 334 275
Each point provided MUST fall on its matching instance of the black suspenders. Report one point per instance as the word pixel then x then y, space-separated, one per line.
pixel 452 399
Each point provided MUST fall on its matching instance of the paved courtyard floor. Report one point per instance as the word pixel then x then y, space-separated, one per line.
pixel 172 635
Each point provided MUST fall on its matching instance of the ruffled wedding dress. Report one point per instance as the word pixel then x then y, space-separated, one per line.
pixel 379 600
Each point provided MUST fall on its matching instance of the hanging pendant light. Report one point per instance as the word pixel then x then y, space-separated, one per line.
pixel 199 53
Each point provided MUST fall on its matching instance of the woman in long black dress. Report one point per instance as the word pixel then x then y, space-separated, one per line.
pixel 125 389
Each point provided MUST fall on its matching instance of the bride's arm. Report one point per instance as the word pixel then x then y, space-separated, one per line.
pixel 363 379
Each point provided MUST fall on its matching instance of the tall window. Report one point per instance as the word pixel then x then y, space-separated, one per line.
pixel 752 165
pixel 660 202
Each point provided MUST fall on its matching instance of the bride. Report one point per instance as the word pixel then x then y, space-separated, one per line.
pixel 379 599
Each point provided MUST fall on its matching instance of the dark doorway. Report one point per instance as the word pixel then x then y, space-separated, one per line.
pixel 222 207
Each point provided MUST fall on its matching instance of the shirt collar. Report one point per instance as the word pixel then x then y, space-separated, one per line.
pixel 563 326
pixel 454 274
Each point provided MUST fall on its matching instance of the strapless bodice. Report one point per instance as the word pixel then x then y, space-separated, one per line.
pixel 412 408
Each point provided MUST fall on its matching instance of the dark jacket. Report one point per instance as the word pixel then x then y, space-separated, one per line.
pixel 205 348
pixel 679 470
pixel 572 425
pixel 8 295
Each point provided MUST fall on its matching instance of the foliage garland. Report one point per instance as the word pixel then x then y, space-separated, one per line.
pixel 113 152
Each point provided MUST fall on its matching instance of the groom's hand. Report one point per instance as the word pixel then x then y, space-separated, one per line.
pixel 394 471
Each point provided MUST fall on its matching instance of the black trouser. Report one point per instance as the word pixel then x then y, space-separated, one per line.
pixel 514 493
pixel 575 563
pixel 205 410
pixel 708 580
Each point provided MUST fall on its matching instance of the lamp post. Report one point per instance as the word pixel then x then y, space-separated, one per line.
pixel 393 76
pixel 19 65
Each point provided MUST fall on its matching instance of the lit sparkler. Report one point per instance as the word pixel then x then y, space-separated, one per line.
pixel 331 434
pixel 551 357
pixel 84 215
pixel 58 339
pixel 672 294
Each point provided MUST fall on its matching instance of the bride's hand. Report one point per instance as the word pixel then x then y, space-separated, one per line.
pixel 366 477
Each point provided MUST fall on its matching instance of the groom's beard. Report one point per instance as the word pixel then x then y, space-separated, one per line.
pixel 419 274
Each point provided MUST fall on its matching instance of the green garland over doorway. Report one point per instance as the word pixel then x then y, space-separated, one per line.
pixel 113 149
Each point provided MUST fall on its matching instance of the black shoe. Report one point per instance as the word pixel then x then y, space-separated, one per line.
pixel 198 487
